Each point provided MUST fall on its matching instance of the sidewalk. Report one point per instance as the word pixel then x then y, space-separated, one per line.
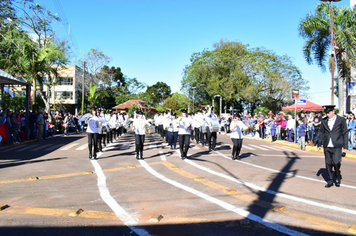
pixel 349 154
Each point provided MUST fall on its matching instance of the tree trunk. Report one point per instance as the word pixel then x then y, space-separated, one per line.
pixel 341 84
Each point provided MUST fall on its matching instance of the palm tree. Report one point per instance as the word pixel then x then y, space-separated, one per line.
pixel 315 29
pixel 96 97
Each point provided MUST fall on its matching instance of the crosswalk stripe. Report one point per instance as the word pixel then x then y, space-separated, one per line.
pixel 41 147
pixel 69 146
pixel 247 147
pixel 258 147
pixel 53 147
pixel 125 146
pixel 84 146
pixel 23 148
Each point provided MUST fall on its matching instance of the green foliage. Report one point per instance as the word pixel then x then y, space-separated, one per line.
pixel 158 92
pixel 95 97
pixel 182 100
pixel 132 109
pixel 315 29
pixel 264 110
pixel 171 103
pixel 241 75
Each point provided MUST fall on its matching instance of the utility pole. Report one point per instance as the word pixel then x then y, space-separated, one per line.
pixel 83 88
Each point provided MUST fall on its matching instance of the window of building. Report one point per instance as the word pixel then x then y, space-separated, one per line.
pixel 64 95
pixel 65 81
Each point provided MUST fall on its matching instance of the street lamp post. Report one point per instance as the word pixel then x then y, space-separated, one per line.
pixel 193 96
pixel 332 47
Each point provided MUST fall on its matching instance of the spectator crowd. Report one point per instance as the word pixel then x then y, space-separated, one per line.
pixel 41 125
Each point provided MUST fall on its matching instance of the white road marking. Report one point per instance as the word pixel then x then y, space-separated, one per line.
pixel 69 146
pixel 53 147
pixel 23 148
pixel 163 157
pixel 125 146
pixel 41 147
pixel 222 204
pixel 258 147
pixel 110 201
pixel 247 147
pixel 84 146
pixel 250 185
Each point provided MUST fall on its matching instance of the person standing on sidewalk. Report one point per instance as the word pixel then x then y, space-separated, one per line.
pixel 278 123
pixel 40 125
pixel 302 130
pixel 351 125
pixel 333 135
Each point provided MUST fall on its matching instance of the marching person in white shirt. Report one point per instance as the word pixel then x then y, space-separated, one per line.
pixel 203 121
pixel 92 131
pixel 185 124
pixel 112 125
pixel 173 131
pixel 197 126
pixel 236 128
pixel 139 127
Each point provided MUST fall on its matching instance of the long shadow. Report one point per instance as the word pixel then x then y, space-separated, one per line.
pixel 277 181
pixel 15 156
pixel 323 173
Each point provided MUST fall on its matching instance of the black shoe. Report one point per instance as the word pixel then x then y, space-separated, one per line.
pixel 328 185
pixel 214 149
pixel 182 157
pixel 137 157
pixel 337 183
pixel 209 149
pixel 237 157
pixel 90 157
pixel 232 158
pixel 95 157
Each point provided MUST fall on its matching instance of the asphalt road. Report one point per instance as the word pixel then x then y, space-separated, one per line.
pixel 52 188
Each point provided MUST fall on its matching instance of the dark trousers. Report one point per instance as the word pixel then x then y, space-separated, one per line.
pixel 211 135
pixel 202 139
pixel 184 141
pixel 237 145
pixel 160 130
pixel 316 136
pixel 165 135
pixel 283 133
pixel 197 134
pixel 139 141
pixel 104 138
pixel 92 141
pixel 99 142
pixel 192 134
pixel 333 159
pixel 172 139
pixel 108 136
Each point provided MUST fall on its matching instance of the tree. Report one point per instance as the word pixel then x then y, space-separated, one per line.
pixel 111 76
pixel 28 47
pixel 242 76
pixel 181 99
pixel 96 60
pixel 158 92
pixel 172 104
pixel 315 29
pixel 96 97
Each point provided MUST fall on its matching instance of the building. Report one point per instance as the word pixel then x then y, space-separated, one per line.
pixel 139 104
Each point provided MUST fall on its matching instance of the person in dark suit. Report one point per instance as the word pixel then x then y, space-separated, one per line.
pixel 333 135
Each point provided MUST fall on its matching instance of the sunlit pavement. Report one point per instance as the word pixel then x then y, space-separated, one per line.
pixel 52 188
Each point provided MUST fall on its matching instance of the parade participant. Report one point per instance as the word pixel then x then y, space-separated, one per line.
pixel 166 122
pixel 160 123
pixel 112 125
pixel 351 125
pixel 197 126
pixel 104 129
pixel 185 124
pixel 139 127
pixel 191 116
pixel 155 122
pixel 100 130
pixel 203 132
pixel 210 132
pixel 173 131
pixel 92 131
pixel 333 135
pixel 236 128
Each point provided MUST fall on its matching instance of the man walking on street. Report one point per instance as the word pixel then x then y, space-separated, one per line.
pixel 333 135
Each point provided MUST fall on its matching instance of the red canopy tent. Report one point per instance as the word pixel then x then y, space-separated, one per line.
pixel 307 106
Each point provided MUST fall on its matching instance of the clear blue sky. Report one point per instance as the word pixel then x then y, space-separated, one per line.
pixel 152 40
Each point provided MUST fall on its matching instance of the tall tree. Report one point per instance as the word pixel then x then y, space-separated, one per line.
pixel 315 29
pixel 96 60
pixel 158 92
